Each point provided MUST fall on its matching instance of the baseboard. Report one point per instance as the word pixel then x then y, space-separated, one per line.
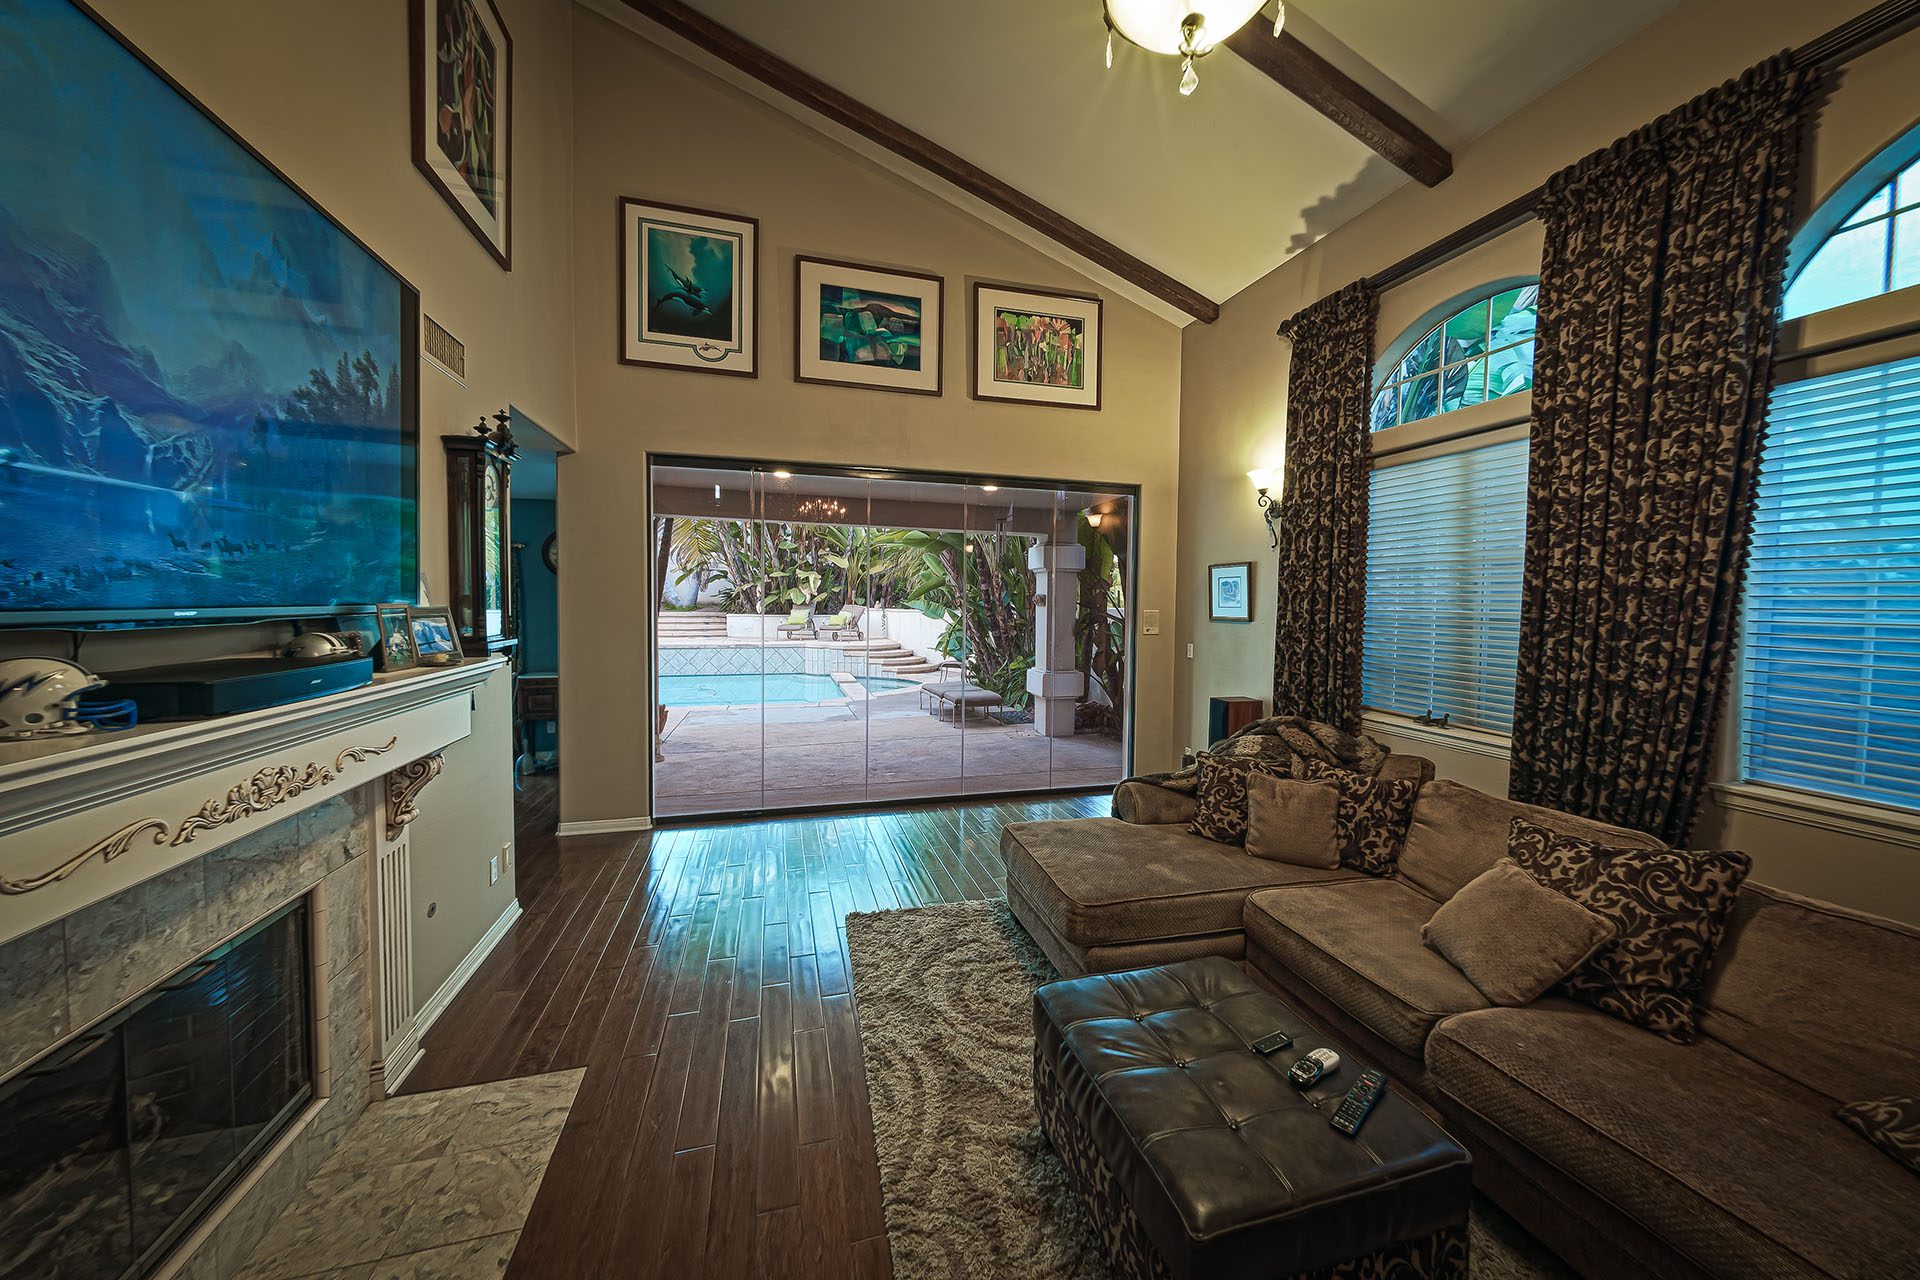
pixel 603 826
pixel 438 1002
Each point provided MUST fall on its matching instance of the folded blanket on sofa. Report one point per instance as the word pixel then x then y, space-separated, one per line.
pixel 1282 739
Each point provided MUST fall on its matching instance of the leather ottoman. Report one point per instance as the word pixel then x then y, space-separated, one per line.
pixel 1197 1158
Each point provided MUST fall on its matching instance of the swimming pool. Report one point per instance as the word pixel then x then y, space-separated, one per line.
pixel 769 689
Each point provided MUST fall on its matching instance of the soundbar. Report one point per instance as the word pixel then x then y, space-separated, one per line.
pixel 194 690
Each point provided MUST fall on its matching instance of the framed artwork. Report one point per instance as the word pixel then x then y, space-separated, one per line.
pixel 1035 347
pixel 397 651
pixel 867 326
pixel 434 640
pixel 1230 592
pixel 689 288
pixel 462 87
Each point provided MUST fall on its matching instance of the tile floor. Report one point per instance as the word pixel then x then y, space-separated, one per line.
pixel 424 1187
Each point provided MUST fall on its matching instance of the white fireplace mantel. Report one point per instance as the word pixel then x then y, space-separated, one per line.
pixel 84 818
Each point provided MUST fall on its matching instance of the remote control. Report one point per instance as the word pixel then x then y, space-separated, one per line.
pixel 1310 1068
pixel 1358 1102
pixel 1267 1044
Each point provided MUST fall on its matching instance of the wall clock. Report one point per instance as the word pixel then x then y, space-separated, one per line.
pixel 550 552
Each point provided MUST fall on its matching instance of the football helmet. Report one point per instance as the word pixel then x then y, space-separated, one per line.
pixel 37 696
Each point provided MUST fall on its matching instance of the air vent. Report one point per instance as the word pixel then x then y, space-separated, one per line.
pixel 444 349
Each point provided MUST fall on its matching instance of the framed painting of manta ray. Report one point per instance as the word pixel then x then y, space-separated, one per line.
pixel 689 288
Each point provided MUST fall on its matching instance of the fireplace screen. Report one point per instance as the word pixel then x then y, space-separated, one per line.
pixel 117 1142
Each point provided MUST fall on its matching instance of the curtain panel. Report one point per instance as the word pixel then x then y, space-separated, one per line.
pixel 1322 525
pixel 1660 288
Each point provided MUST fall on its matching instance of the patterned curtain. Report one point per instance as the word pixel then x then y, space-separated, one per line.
pixel 1322 525
pixel 1659 291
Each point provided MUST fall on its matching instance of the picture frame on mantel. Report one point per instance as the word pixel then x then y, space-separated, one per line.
pixel 1230 592
pixel 689 288
pixel 460 78
pixel 1036 346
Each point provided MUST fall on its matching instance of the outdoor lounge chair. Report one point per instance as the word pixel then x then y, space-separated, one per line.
pixel 798 623
pixel 962 696
pixel 844 625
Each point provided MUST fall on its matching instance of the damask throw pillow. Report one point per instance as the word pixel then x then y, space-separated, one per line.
pixel 1891 1124
pixel 1669 907
pixel 1222 796
pixel 1373 815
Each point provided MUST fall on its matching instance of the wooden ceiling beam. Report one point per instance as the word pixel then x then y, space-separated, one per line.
pixel 1343 100
pixel 817 95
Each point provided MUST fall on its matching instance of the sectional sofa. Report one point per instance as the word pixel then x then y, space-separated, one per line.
pixel 1624 1152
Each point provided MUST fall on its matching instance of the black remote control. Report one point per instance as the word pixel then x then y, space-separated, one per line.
pixel 1267 1044
pixel 1358 1102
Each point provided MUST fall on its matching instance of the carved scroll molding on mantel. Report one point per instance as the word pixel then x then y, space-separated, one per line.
pixel 84 819
pixel 403 788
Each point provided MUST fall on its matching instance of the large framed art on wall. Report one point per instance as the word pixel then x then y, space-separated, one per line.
pixel 461 77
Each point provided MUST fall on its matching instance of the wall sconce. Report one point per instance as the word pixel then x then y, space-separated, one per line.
pixel 1263 483
pixel 1094 518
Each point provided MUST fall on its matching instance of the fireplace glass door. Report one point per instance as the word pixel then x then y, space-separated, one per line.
pixel 119 1141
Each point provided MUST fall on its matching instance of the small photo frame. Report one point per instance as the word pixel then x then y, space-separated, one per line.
pixel 1036 347
pixel 859 326
pixel 1230 592
pixel 689 288
pixel 396 651
pixel 434 639
pixel 461 79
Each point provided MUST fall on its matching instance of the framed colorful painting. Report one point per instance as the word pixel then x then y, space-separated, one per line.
pixel 689 288
pixel 1036 347
pixel 867 326
pixel 462 88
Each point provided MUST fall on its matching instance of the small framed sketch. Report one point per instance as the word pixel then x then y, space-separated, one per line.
pixel 867 326
pixel 1035 347
pixel 397 651
pixel 1230 592
pixel 689 288
pixel 433 637
pixel 461 80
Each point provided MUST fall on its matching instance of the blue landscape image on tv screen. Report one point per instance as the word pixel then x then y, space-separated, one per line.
pixel 203 401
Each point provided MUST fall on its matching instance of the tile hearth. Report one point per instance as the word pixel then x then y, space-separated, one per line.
pixel 424 1186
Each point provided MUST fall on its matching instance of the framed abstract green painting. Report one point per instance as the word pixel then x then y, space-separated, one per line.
pixel 861 326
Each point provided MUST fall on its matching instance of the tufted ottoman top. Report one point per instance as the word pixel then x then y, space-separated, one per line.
pixel 1232 1170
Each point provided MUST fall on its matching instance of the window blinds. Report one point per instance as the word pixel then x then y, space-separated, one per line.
pixel 1831 644
pixel 1444 558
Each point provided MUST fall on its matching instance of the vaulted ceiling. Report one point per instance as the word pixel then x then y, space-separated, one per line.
pixel 1216 189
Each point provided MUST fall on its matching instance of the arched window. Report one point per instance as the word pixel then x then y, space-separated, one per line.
pixel 1857 245
pixel 1479 353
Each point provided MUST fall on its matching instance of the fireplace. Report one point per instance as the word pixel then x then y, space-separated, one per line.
pixel 119 1140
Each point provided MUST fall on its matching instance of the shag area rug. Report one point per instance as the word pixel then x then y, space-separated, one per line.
pixel 970 1184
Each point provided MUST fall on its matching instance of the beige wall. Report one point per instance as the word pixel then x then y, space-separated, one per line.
pixel 1233 374
pixel 321 90
pixel 650 125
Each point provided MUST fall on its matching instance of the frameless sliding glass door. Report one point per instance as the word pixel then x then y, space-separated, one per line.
pixel 828 639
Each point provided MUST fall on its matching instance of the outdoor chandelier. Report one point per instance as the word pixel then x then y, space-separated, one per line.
pixel 1186 29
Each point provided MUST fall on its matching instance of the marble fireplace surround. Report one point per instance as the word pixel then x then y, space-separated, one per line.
pixel 232 819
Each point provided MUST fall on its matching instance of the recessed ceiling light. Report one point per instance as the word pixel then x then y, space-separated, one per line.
pixel 783 475
pixel 989 488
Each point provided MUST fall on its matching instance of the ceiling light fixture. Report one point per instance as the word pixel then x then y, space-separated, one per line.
pixel 989 488
pixel 1185 29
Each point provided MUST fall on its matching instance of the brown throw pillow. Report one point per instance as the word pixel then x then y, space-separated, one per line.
pixel 1512 936
pixel 1222 797
pixel 1669 907
pixel 1891 1124
pixel 1293 821
pixel 1373 818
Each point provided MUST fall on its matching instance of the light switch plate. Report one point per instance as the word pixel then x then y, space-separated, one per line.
pixel 1149 622
pixel 493 869
pixel 1189 649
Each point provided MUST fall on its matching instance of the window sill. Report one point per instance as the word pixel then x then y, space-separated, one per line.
pixel 1495 746
pixel 1829 813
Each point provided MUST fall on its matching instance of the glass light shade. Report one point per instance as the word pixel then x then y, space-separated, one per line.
pixel 1155 25
pixel 1263 478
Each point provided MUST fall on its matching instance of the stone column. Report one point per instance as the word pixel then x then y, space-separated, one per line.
pixel 1056 684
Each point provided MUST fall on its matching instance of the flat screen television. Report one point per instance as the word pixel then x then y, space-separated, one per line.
pixel 209 398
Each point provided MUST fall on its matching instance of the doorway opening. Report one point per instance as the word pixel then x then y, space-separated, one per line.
pixel 825 638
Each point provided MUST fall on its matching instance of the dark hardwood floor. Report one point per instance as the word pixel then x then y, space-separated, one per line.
pixel 699 974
